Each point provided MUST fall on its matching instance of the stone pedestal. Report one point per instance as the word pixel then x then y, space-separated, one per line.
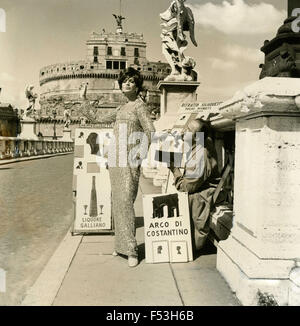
pixel 173 95
pixel 263 250
pixel 67 135
pixel 28 129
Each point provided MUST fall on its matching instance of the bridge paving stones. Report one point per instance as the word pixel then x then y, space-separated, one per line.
pixel 35 214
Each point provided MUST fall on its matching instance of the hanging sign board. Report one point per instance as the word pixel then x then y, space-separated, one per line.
pixel 91 182
pixel 191 111
pixel 194 107
pixel 167 228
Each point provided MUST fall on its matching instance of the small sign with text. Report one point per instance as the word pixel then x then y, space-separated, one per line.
pixel 167 228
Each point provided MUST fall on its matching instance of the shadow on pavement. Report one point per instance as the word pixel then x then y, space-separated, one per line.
pixel 208 249
pixel 141 249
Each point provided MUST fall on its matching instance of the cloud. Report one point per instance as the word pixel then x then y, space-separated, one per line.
pixel 238 17
pixel 220 64
pixel 221 93
pixel 238 52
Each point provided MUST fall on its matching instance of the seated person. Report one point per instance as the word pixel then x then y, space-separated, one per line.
pixel 199 179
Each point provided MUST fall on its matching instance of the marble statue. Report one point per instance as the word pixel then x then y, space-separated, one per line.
pixel 176 20
pixel 67 118
pixel 119 20
pixel 31 96
pixel 88 109
pixel 188 64
pixel 83 90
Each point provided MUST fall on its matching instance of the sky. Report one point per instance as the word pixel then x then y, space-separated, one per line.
pixel 229 33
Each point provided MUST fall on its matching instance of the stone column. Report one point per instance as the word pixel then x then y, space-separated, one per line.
pixel 263 250
pixel 174 93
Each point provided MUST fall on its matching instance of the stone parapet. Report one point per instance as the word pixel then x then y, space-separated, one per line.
pixel 266 95
pixel 17 147
pixel 264 246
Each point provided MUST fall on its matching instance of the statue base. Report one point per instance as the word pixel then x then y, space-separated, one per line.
pixel 28 129
pixel 67 135
pixel 174 93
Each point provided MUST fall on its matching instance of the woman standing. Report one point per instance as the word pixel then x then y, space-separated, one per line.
pixel 134 117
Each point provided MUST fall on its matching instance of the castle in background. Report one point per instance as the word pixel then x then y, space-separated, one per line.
pixel 107 54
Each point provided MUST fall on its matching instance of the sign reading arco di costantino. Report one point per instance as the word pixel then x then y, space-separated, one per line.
pixel 167 228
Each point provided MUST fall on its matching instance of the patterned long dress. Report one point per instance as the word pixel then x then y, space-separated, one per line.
pixel 125 179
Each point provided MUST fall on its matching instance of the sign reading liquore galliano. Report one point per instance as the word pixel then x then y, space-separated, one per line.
pixel 167 228
pixel 91 182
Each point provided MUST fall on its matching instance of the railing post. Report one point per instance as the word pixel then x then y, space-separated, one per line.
pixel 2 148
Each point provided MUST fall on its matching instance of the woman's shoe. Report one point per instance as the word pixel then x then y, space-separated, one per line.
pixel 133 261
pixel 115 254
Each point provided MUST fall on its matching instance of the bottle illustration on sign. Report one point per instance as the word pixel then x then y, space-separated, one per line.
pixel 178 250
pixel 101 209
pixel 93 200
pixel 85 207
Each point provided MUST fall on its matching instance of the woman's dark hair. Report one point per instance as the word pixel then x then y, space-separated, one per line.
pixel 128 73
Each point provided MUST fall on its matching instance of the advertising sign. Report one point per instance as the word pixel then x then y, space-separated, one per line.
pixel 167 228
pixel 91 182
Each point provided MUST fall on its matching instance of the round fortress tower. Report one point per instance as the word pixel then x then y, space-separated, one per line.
pixel 107 54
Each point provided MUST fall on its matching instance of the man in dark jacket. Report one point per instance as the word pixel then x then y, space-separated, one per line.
pixel 199 179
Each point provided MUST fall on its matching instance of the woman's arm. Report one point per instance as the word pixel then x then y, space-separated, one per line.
pixel 106 118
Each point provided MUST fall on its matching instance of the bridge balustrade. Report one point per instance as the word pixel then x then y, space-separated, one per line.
pixel 14 147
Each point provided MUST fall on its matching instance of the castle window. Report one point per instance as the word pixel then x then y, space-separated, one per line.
pixel 122 65
pixel 109 50
pixel 42 73
pixel 81 67
pixel 116 65
pixel 92 67
pixel 64 68
pixel 123 51
pixel 96 52
pixel 95 59
pixel 57 69
pixel 149 69
pixel 136 52
pixel 108 64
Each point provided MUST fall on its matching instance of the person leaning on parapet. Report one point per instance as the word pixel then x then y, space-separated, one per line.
pixel 199 179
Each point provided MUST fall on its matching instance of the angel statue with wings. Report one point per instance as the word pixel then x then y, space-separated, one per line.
pixel 176 20
pixel 31 97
